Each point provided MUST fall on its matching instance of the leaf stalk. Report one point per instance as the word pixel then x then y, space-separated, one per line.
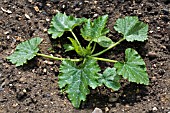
pixel 75 37
pixel 103 59
pixel 57 58
pixel 111 46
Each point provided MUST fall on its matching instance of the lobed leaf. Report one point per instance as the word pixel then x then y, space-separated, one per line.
pixel 76 79
pixel 96 30
pixel 132 29
pixel 110 79
pixel 133 68
pixel 25 51
pixel 61 23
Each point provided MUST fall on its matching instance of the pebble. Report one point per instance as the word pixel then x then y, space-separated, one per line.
pixel 44 70
pixel 77 9
pixel 27 16
pixel 97 110
pixel 15 105
pixel 30 1
pixel 49 5
pixel 24 90
pixel 155 109
pixel 36 9
pixel 152 55
pixel 22 79
pixel 6 32
pixel 7 11
pixel 106 109
pixel 95 15
pixel 150 31
pixel 47 19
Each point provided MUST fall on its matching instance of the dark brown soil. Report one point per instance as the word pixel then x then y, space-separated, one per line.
pixel 33 87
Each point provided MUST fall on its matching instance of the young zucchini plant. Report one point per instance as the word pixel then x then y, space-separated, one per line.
pixel 77 75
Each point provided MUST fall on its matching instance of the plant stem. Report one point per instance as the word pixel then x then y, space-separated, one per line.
pixel 56 58
pixel 75 38
pixel 103 59
pixel 93 48
pixel 111 46
pixel 90 43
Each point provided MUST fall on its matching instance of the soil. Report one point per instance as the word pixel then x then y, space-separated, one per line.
pixel 33 88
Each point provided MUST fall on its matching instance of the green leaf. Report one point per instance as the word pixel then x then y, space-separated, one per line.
pixel 103 41
pixel 68 47
pixel 76 79
pixel 96 29
pixel 25 51
pixel 79 50
pixel 133 68
pixel 61 23
pixel 110 78
pixel 132 28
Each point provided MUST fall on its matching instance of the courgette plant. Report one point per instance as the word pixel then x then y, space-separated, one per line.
pixel 77 75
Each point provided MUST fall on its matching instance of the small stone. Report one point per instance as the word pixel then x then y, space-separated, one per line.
pixel 44 70
pixel 30 1
pixel 24 90
pixel 95 2
pixel 152 55
pixel 155 109
pixel 153 78
pixel 27 16
pixel 6 32
pixel 47 19
pixel 63 6
pixel 45 105
pixel 150 31
pixel 106 109
pixel 15 105
pixel 77 9
pixel 158 27
pixel 7 11
pixel 22 79
pixel 49 5
pixel 36 9
pixel 95 15
pixel 97 110
pixel 163 47
pixel 154 65
pixel 48 62
pixel 45 30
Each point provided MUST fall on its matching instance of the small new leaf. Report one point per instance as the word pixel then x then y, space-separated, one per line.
pixel 132 29
pixel 79 50
pixel 76 79
pixel 25 51
pixel 96 29
pixel 110 78
pixel 133 68
pixel 61 23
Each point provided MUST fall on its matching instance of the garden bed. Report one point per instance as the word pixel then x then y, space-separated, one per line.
pixel 34 88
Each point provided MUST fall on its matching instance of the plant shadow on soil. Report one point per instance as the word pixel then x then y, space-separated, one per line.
pixel 128 95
